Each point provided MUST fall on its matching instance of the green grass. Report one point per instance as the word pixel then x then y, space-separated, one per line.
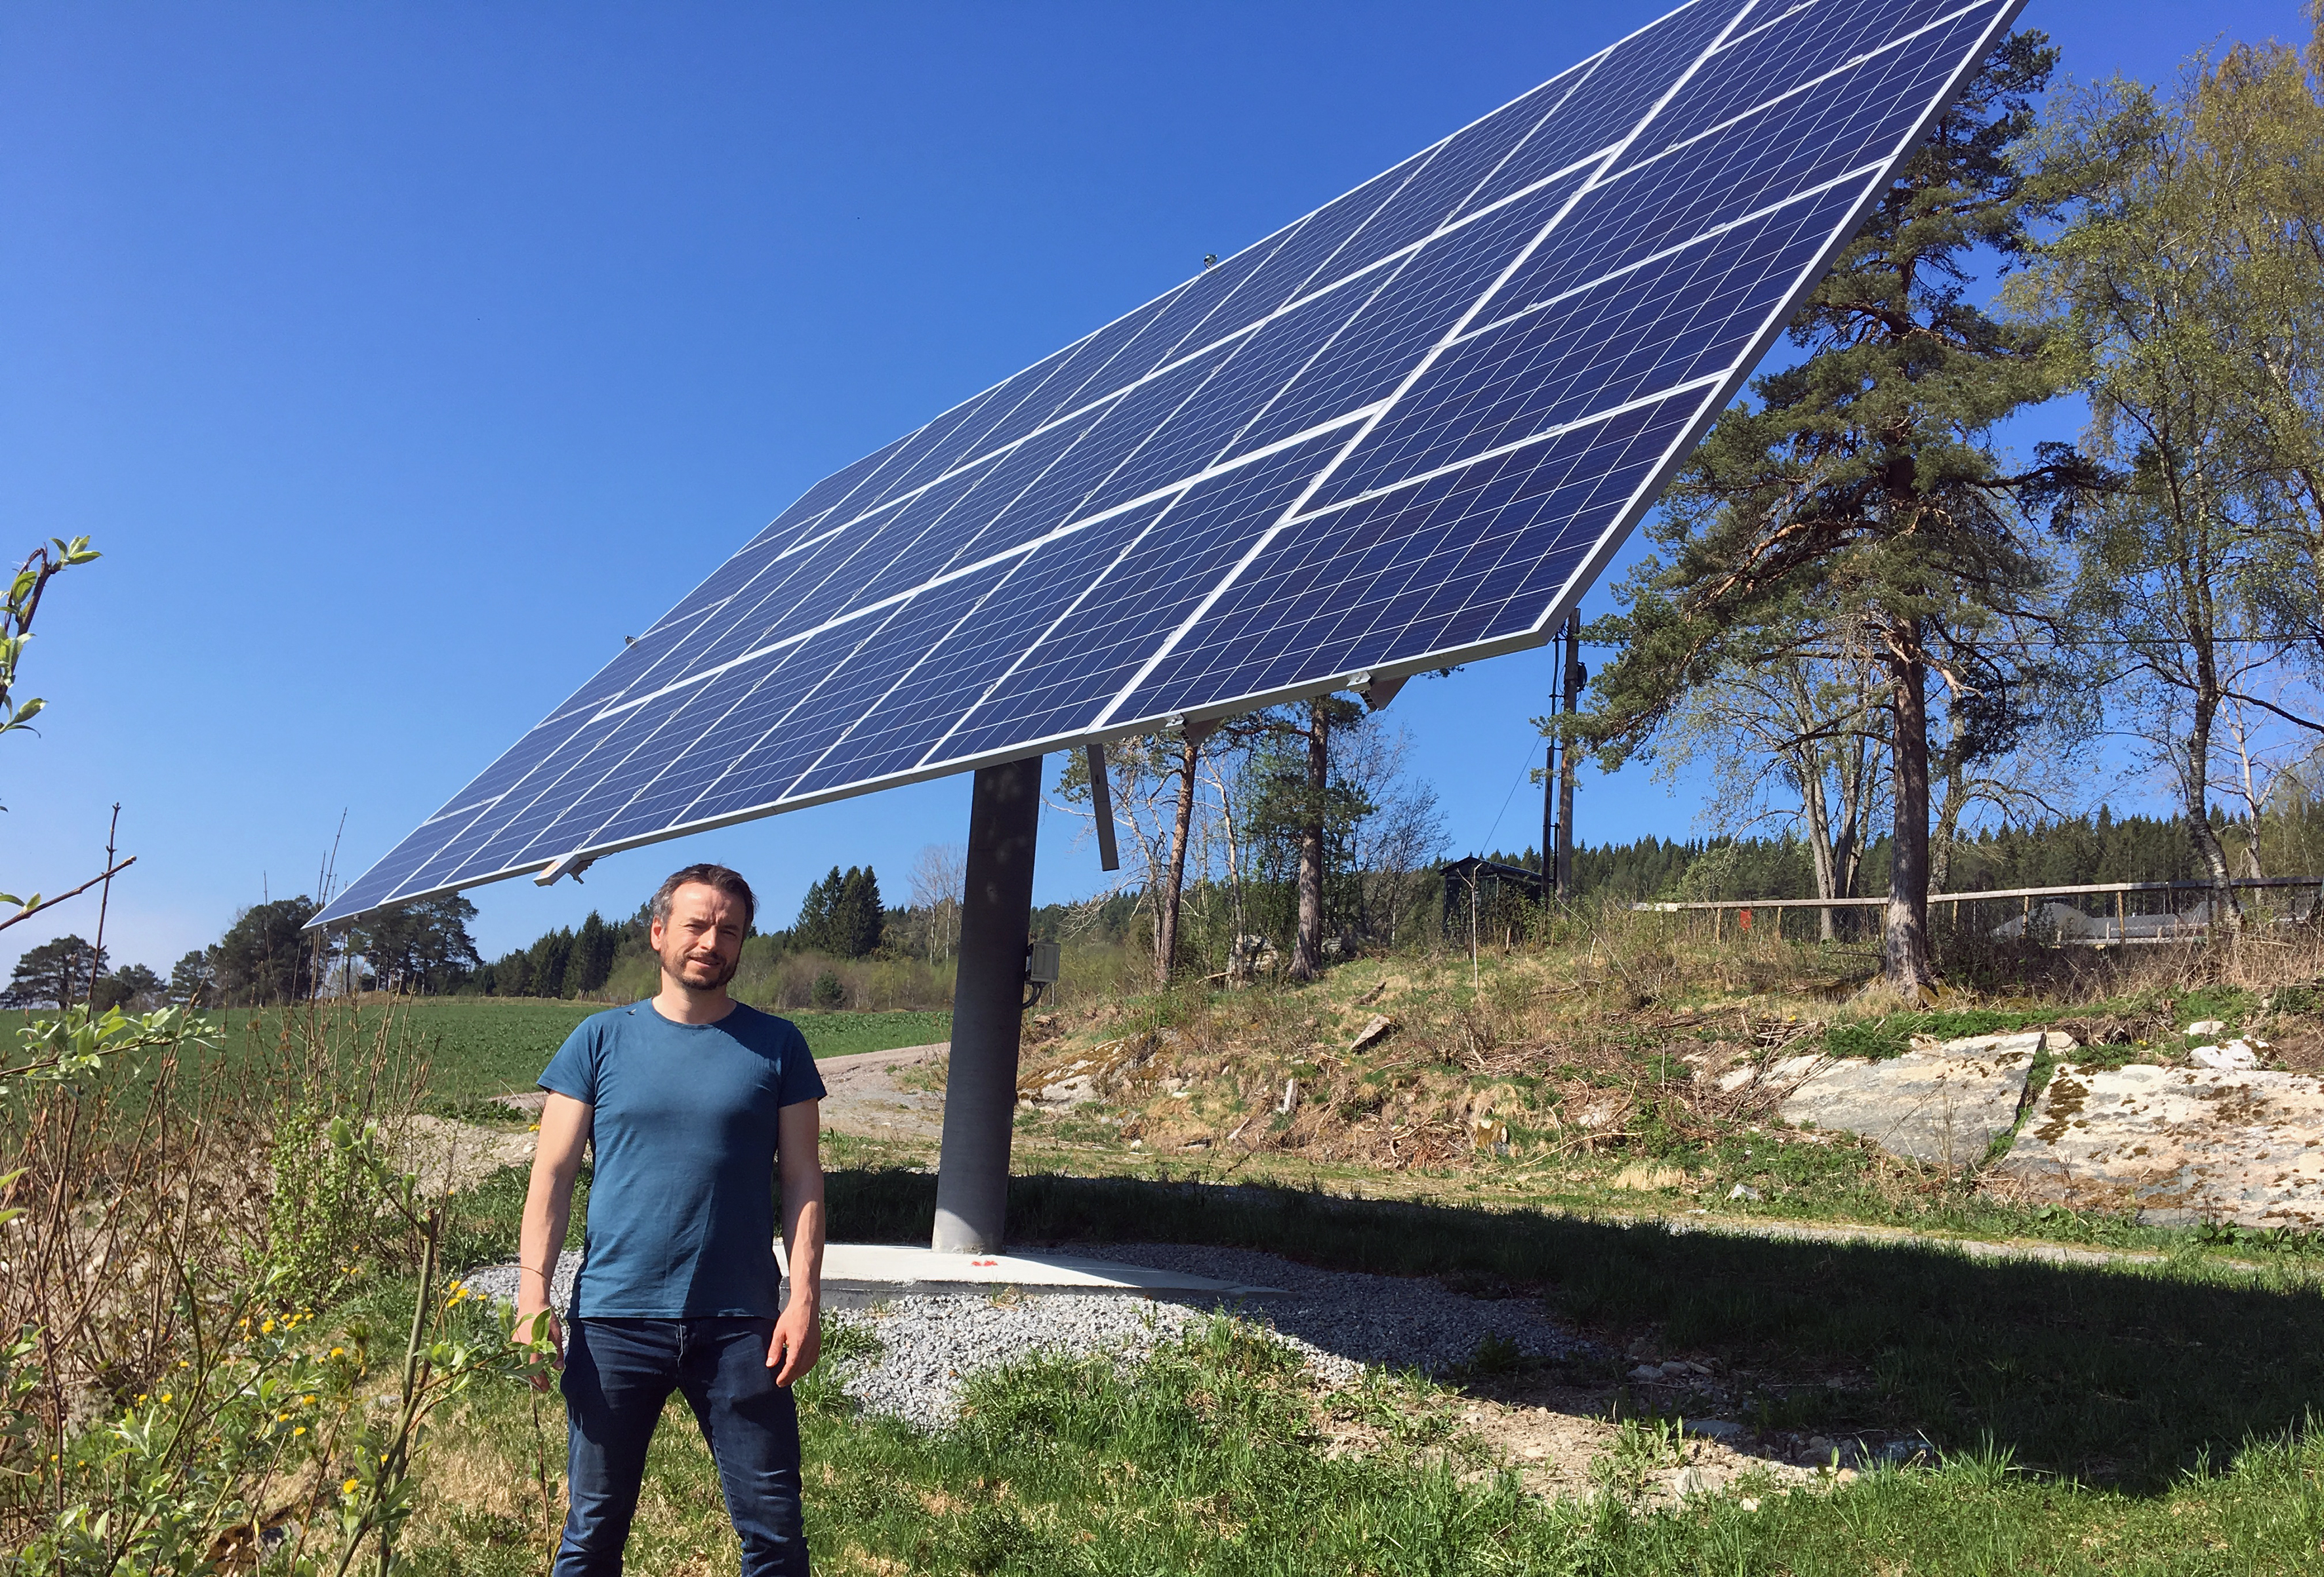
pixel 844 1034
pixel 480 1047
pixel 2128 1374
pixel 1206 1459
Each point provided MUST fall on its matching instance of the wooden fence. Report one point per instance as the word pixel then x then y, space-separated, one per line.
pixel 2057 920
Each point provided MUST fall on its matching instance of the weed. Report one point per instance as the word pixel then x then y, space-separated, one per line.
pixel 1642 1447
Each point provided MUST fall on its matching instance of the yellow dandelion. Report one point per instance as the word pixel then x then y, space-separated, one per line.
pixel 338 1352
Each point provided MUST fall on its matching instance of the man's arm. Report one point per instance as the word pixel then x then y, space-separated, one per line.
pixel 798 1334
pixel 548 1208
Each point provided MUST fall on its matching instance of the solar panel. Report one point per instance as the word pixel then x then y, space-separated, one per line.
pixel 1403 432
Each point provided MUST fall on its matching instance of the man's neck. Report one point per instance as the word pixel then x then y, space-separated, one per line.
pixel 683 1004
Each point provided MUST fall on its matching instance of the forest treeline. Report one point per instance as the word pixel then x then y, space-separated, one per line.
pixel 429 950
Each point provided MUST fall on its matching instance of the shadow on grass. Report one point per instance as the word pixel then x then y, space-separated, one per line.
pixel 2127 1375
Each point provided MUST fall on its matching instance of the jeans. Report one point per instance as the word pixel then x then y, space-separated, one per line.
pixel 618 1373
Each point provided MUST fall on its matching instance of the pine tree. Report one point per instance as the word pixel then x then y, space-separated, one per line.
pixel 1859 491
pixel 812 931
pixel 593 955
pixel 857 918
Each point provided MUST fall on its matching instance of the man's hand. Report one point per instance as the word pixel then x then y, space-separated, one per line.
pixel 538 1329
pixel 797 1341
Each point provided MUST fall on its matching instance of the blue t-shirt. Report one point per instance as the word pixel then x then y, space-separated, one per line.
pixel 681 1221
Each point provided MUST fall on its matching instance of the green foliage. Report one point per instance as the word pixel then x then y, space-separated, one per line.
pixel 25 588
pixel 1643 1448
pixel 266 957
pixel 55 975
pixel 828 993
pixel 79 1041
pixel 133 987
pixel 423 947
pixel 842 915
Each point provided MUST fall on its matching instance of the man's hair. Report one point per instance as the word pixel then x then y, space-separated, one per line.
pixel 729 882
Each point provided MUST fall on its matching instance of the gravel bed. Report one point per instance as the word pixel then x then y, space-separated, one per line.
pixel 929 1345
pixel 1340 1322
pixel 499 1281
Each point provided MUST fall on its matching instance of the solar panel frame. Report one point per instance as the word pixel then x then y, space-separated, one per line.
pixel 1424 539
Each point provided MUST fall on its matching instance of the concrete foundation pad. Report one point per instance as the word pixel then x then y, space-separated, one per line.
pixel 1942 1107
pixel 2178 1145
pixel 862 1272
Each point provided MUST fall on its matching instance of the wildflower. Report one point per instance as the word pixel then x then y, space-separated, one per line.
pixel 300 1430
pixel 168 1395
pixel 267 1329
pixel 338 1352
pixel 349 1487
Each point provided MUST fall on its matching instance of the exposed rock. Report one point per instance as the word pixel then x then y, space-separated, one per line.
pixel 1075 1089
pixel 2205 1027
pixel 1943 1107
pixel 1744 1191
pixel 2235 1053
pixel 2179 1145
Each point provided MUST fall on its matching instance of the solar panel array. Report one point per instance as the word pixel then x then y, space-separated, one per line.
pixel 1407 430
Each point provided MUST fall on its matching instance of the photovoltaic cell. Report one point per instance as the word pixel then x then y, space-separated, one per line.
pixel 1402 432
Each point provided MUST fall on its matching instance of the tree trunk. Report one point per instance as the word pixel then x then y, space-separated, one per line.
pixel 1173 885
pixel 2195 776
pixel 1807 761
pixel 1905 959
pixel 1308 949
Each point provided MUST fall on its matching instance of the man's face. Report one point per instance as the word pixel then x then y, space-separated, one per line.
pixel 701 942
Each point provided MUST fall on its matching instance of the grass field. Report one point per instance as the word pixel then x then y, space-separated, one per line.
pixel 2093 1419
pixel 480 1047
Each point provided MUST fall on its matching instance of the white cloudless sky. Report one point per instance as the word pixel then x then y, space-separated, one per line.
pixel 400 359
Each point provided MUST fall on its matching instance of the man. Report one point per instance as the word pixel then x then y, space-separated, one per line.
pixel 691 1099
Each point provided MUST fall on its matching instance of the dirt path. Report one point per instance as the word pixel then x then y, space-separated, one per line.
pixel 865 1098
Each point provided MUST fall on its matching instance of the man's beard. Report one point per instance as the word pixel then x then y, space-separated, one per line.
pixel 720 973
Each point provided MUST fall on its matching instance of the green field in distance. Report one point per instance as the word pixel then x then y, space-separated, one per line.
pixel 479 1047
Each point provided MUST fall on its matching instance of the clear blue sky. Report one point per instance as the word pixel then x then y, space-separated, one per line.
pixel 402 358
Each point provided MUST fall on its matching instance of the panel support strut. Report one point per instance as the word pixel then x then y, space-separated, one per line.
pixel 988 1004
pixel 1108 857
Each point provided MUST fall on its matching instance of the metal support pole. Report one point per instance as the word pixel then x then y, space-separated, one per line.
pixel 987 1009
pixel 1573 678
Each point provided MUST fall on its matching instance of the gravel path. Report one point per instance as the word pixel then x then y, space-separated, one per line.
pixel 1338 1321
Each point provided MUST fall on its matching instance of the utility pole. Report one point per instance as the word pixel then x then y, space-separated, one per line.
pixel 1549 811
pixel 1575 675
